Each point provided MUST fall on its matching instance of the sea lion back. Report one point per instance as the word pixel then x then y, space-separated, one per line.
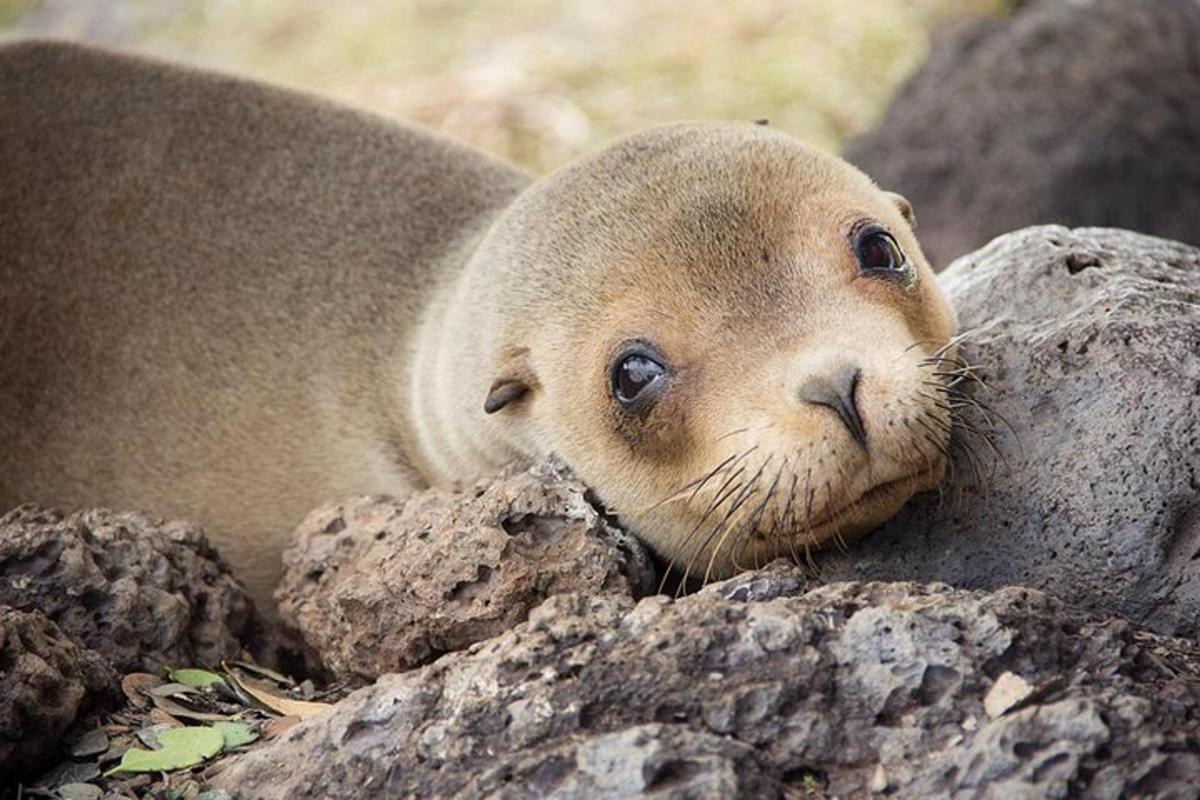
pixel 195 271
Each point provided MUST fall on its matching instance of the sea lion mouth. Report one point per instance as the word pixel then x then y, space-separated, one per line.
pixel 888 495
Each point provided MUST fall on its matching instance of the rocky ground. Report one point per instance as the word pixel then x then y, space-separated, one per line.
pixel 762 686
pixel 1014 637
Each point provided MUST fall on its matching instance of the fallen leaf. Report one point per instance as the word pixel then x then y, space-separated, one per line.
pixel 199 678
pixel 69 772
pixel 79 791
pixel 189 791
pixel 135 684
pixel 117 748
pixel 171 690
pixel 149 734
pixel 286 706
pixel 279 726
pixel 92 743
pixel 160 717
pixel 263 672
pixel 130 782
pixel 182 712
pixel 236 733
pixel 1008 690
pixel 178 748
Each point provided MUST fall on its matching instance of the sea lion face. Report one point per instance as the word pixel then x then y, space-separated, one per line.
pixel 746 350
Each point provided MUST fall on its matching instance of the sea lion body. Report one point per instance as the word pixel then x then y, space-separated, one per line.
pixel 229 302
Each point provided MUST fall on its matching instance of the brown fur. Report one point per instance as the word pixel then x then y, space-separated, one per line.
pixel 230 302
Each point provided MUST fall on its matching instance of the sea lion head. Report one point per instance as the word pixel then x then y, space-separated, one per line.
pixel 734 338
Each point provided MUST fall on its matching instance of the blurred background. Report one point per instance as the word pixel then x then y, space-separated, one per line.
pixel 540 81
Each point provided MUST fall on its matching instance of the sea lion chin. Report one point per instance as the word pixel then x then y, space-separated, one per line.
pixel 229 302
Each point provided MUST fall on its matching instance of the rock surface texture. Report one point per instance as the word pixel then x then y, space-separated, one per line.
pixel 1090 340
pixel 1076 113
pixel 754 688
pixel 47 679
pixel 380 585
pixel 141 592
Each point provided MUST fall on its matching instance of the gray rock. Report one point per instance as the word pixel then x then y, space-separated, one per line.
pixel 142 592
pixel 1090 340
pixel 378 585
pixel 848 689
pixel 47 680
pixel 1076 113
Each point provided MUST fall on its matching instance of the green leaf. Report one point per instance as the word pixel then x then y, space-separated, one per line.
pixel 178 748
pixel 236 733
pixel 200 678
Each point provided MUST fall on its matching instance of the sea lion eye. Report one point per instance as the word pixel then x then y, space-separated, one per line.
pixel 878 252
pixel 633 373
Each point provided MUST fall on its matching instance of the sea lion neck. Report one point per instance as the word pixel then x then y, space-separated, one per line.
pixel 456 349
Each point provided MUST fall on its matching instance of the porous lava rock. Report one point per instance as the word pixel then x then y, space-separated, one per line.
pixel 761 687
pixel 143 593
pixel 1090 342
pixel 376 585
pixel 1076 113
pixel 47 680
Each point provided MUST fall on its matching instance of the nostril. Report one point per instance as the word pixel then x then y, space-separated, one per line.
pixel 839 393
pixel 854 376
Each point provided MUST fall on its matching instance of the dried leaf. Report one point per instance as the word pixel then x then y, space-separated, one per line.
pixel 304 709
pixel 135 684
pixel 79 791
pixel 149 734
pixel 182 712
pixel 92 743
pixel 117 748
pixel 160 717
pixel 279 726
pixel 263 672
pixel 172 690
pixel 69 772
pixel 189 791
pixel 178 748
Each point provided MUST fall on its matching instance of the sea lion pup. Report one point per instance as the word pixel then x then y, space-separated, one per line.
pixel 230 302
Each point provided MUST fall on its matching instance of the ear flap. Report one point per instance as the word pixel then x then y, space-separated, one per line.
pixel 516 380
pixel 503 392
pixel 906 208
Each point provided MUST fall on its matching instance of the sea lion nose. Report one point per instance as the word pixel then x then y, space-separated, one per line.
pixel 838 392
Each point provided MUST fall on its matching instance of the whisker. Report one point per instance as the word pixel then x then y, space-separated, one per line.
pixel 745 494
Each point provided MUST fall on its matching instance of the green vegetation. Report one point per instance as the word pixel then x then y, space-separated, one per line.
pixel 542 80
